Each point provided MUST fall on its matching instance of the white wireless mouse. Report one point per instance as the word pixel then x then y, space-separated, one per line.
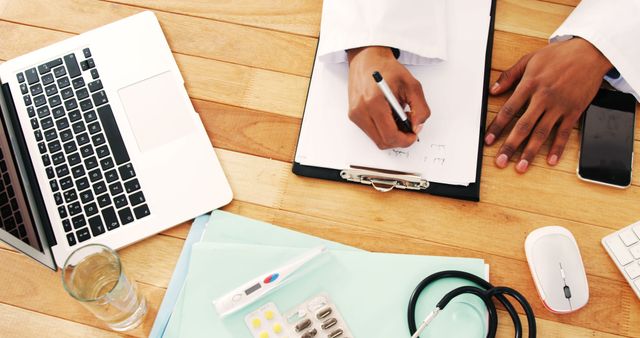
pixel 557 269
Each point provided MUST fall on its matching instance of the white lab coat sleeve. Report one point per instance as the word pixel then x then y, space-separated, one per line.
pixel 416 27
pixel 613 27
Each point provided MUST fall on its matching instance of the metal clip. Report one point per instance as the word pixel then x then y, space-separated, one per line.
pixel 384 180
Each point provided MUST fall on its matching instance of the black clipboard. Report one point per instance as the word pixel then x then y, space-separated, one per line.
pixel 384 180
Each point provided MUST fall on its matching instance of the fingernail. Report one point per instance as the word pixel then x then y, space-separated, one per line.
pixel 553 159
pixel 495 87
pixel 419 128
pixel 522 166
pixel 489 138
pixel 502 160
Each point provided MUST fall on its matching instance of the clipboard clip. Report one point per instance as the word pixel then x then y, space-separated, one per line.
pixel 384 180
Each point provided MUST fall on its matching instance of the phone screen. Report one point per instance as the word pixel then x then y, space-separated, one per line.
pixel 606 153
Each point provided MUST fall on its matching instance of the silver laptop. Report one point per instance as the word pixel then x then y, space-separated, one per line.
pixel 100 144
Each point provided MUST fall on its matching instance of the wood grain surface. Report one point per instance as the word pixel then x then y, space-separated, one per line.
pixel 247 64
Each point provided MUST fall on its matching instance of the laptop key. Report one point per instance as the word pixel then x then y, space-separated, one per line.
pixel 91 162
pixel 86 52
pixel 102 151
pixel 50 173
pixel 62 211
pixel 115 188
pixel 47 123
pixel 51 90
pixel 27 100
pixel 70 196
pixel 98 139
pixel 120 201
pixel 91 209
pixel 75 115
pixel 104 200
pixel 132 186
pixel 47 79
pixel 66 225
pixel 36 89
pixel 111 175
pixel 71 239
pixel 86 196
pixel 94 74
pixel 90 116
pixel 141 211
pixel 54 146
pixel 43 112
pixel 95 175
pixel 99 188
pixel 82 93
pixel 70 147
pixel 54 63
pixel 125 216
pixel 58 198
pixel 97 228
pixel 39 100
pixel 60 71
pixel 31 111
pixel 72 65
pixel 58 112
pixel 66 93
pixel 38 135
pixel 77 83
pixel 50 135
pixel 126 171
pixel 63 82
pixel 23 88
pixel 66 183
pixel 54 185
pixel 55 101
pixel 78 127
pixel 86 150
pixel 137 198
pixel 77 171
pixel 86 105
pixel 57 158
pixel 66 135
pixel 74 208
pixel 84 65
pixel 20 77
pixel 62 170
pixel 99 98
pixel 113 135
pixel 79 221
pixel 94 128
pixel 82 138
pixel 82 184
pixel 62 123
pixel 71 104
pixel 95 85
pixel 110 218
pixel 91 63
pixel 34 124
pixel 83 234
pixel 32 76
pixel 44 68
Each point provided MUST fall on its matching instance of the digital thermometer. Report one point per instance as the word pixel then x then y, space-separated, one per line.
pixel 262 285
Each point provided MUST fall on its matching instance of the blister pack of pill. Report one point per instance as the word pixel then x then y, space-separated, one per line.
pixel 317 317
pixel 267 322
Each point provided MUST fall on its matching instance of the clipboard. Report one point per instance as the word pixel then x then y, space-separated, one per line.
pixel 386 180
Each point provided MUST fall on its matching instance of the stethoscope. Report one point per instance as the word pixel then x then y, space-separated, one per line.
pixel 485 291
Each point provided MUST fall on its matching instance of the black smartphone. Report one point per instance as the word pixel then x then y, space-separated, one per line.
pixel 606 152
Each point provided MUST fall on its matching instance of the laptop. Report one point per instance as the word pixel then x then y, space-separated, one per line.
pixel 101 144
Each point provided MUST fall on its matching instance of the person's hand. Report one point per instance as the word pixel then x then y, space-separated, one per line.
pixel 554 85
pixel 369 109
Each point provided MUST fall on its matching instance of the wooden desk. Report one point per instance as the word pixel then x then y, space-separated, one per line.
pixel 247 67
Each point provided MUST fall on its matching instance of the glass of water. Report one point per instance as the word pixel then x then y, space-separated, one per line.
pixel 93 275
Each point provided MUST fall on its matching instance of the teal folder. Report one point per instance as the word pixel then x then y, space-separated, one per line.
pixel 370 289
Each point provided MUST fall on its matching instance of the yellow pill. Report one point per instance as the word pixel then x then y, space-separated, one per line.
pixel 268 314
pixel 256 322
pixel 264 334
pixel 277 328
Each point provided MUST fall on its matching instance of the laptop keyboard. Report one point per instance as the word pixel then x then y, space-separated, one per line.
pixel 92 178
pixel 12 220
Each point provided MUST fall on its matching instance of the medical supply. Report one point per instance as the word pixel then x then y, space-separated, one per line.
pixel 485 291
pixel 261 286
pixel 623 246
pixel 318 317
pixel 267 322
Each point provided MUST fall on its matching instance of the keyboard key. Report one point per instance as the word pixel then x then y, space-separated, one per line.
pixel 94 74
pixel 63 82
pixel 95 86
pixel 77 83
pixel 31 111
pixel 36 89
pixel 141 211
pixel 38 135
pixel 70 147
pixel 83 234
pixel 125 216
pixel 91 162
pixel 58 198
pixel 71 104
pixel 62 123
pixel 77 171
pixel 54 63
pixel 50 135
pixel 70 196
pixel 62 211
pixel 71 239
pixel 120 201
pixel 86 150
pixel 97 228
pixel 43 112
pixel 132 186
pixel 66 225
pixel 20 77
pixel 110 218
pixel 136 198
pixel 619 250
pixel 39 100
pixel 50 173
pixel 82 94
pixel 27 100
pixel 628 237
pixel 127 172
pixel 74 208
pixel 79 221
pixel 47 79
pixel 74 115
pixel 32 76
pixel 99 98
pixel 91 209
pixel 66 135
pixel 102 151
pixel 78 127
pixel 84 65
pixel 86 105
pixel 60 71
pixel 115 188
pixel 90 116
pixel 51 90
pixel 98 139
pixel 66 183
pixel 34 124
pixel 86 196
pixel 66 93
pixel 82 184
pixel 72 65
pixel 58 112
pixel 633 270
pixel 99 188
pixel 635 251
pixel 23 88
pixel 44 68
pixel 95 175
pixel 91 63
pixel 104 200
pixel 62 170
pixel 54 146
pixel 112 133
pixel 42 148
pixel 82 139
pixel 57 158
pixel 86 52
pixel 47 123
pixel 110 175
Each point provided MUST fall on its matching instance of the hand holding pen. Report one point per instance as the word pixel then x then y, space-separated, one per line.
pixel 369 108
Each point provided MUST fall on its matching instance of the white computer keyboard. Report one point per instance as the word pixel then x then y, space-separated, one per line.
pixel 624 248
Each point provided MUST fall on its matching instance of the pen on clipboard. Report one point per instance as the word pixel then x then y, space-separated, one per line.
pixel 401 118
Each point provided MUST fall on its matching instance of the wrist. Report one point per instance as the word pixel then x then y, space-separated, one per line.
pixel 371 51
pixel 600 62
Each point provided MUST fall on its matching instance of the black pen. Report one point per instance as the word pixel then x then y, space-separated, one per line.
pixel 402 120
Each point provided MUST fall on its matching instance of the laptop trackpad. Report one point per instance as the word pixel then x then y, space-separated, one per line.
pixel 156 111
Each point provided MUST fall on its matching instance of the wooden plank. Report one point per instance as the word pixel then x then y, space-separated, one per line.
pixel 292 16
pixel 17 322
pixel 188 35
pixel 530 17
pixel 31 287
